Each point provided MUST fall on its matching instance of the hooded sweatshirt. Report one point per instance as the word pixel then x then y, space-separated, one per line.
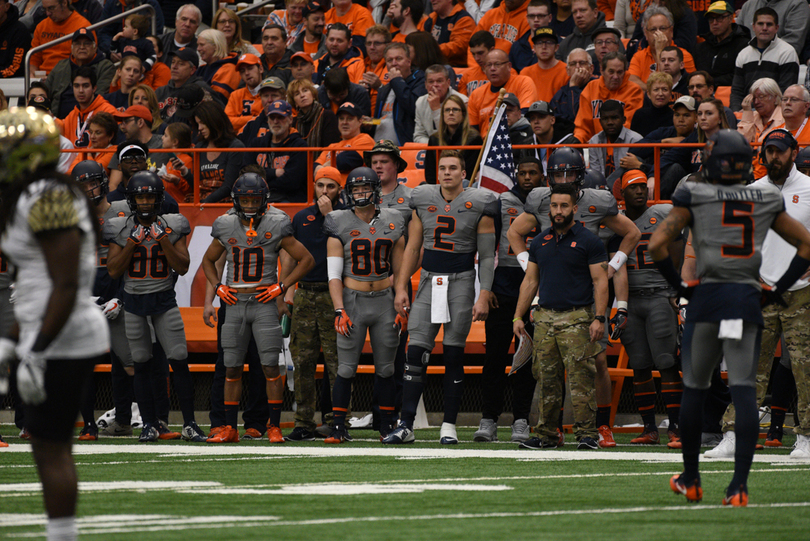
pixel 579 40
pixel 592 98
pixel 75 125
pixel 60 82
pixel 16 42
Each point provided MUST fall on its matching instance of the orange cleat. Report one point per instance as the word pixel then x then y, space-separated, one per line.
pixel 648 437
pixel 692 492
pixel 228 434
pixel 561 438
pixel 674 440
pixel 606 437
pixel 274 434
pixel 252 434
pixel 215 430
pixel 738 499
pixel 2 443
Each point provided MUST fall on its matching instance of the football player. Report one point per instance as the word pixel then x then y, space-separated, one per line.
pixel 147 248
pixel 595 208
pixel 252 235
pixel 729 221
pixel 451 223
pixel 365 247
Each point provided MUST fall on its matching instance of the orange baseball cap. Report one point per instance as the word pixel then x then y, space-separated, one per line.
pixel 331 173
pixel 633 176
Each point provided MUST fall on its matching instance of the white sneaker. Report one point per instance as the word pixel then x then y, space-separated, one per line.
pixel 447 434
pixel 520 430
pixel 802 447
pixel 724 449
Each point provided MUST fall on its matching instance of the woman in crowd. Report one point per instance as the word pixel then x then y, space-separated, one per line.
pixel 219 71
pixel 761 114
pixel 629 13
pixel 454 131
pixel 317 125
pixel 127 76
pixel 425 50
pixel 218 170
pixel 103 128
pixel 178 136
pixel 656 112
pixel 144 95
pixel 227 21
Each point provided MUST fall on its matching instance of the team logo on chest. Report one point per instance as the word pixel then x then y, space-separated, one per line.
pixel 432 208
pixel 372 230
pixel 447 208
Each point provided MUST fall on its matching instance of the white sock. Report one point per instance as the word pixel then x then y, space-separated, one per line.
pixel 62 529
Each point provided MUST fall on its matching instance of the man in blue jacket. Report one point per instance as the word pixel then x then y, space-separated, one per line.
pixel 396 101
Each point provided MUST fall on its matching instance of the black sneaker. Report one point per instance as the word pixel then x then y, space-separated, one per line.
pixel 300 433
pixel 538 443
pixel 588 443
pixel 148 434
pixel 338 435
pixel 89 432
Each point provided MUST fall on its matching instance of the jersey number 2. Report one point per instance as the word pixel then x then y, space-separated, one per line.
pixel 739 214
pixel 445 225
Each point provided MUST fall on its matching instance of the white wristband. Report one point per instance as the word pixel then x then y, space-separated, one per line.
pixel 621 305
pixel 618 260
pixel 334 268
pixel 523 259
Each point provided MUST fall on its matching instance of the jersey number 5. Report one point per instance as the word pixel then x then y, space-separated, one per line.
pixel 739 214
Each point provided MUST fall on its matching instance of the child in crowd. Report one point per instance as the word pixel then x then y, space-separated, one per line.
pixel 133 40
pixel 178 135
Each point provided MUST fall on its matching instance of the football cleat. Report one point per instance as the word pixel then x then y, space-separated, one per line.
pixel 520 430
pixel 724 449
pixel 536 444
pixel 24 435
pixel 228 434
pixel 215 430
pixel 774 438
pixel 2 443
pixel 89 433
pixel 674 439
pixel 299 433
pixel 323 430
pixel 560 438
pixel 165 433
pixel 588 443
pixel 274 434
pixel 116 429
pixel 605 437
pixel 338 435
pixel 193 433
pixel 692 492
pixel 148 434
pixel 386 427
pixel 801 449
pixel 252 434
pixel 487 431
pixel 737 497
pixel 401 434
pixel 647 437
pixel 447 434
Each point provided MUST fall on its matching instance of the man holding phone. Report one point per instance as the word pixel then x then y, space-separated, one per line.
pixel 136 124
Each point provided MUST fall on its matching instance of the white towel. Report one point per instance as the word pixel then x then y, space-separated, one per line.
pixel 439 308
pixel 730 329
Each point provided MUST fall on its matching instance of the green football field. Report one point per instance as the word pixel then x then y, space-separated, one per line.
pixel 362 490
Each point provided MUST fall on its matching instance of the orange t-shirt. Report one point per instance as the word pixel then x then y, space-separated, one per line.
pixel 158 76
pixel 505 26
pixel 548 81
pixel 482 101
pixel 242 107
pixel 455 47
pixel 358 142
pixel 355 67
pixel 643 63
pixel 358 19
pixel 311 48
pixel 471 78
pixel 594 95
pixel 47 31
pixel 182 189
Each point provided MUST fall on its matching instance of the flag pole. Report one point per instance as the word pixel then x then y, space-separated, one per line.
pixel 501 94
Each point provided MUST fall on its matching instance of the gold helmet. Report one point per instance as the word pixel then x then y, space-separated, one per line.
pixel 29 139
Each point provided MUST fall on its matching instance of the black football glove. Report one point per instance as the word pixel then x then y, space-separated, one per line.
pixel 617 324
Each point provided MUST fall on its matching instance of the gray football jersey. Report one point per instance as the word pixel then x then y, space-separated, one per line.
pixel 399 200
pixel 148 272
pixel 367 247
pixel 641 271
pixel 453 226
pixel 117 209
pixel 511 208
pixel 593 206
pixel 252 261
pixel 729 224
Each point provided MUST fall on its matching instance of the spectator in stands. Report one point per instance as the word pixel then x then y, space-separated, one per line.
pixel 31 13
pixel 377 39
pixel 795 105
pixel 428 107
pixel 655 113
pixel 548 73
pixel 477 8
pixel 316 123
pixel 396 102
pixel 405 15
pixel 275 56
pixel 291 18
pixel 218 170
pixel 562 20
pixel 17 40
pixel 136 125
pixel 185 102
pixel 301 67
pixel 520 131
pixel 219 71
pixel 506 23
pixel 144 95
pixel 340 54
pixel 499 73
pixel 160 74
pixel 102 131
pixel 671 59
pixel 245 103
pixel 762 113
pixel 454 131
pixel 587 18
pixel 684 26
pixel 794 14
pixel 606 159
pixel 184 64
pixel 349 122
pixel 565 103
pixel 126 78
pixel 701 86
pixel 337 89
pixel 178 136
pixel 228 22
pixel 605 40
pixel 132 40
pixel 186 24
pixel 613 84
pixel 62 20
pixel 83 52
pixel 766 56
pixel 88 103
pixel 544 132
pixel 355 17
pixel 276 88
pixel 259 125
pixel 451 26
pixel 481 43
pixel 718 51
pixel 112 8
pixel 522 54
pixel 312 40
pixel 425 50
pixel 658 24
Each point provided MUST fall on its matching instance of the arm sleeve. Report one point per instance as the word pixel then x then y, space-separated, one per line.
pixel 486 260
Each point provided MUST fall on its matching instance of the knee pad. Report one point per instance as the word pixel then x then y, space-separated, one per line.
pixel 346 371
pixel 386 370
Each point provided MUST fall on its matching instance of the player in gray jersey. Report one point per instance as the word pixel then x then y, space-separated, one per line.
pixel 252 237
pixel 147 248
pixel 595 208
pixel 650 337
pixel 729 221
pixel 365 247
pixel 451 223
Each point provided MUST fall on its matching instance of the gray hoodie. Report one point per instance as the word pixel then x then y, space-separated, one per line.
pixel 578 40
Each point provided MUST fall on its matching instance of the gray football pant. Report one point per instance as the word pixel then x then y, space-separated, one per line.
pixel 371 311
pixel 703 351
pixel 169 331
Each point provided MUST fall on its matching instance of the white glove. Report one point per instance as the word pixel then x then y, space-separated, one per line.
pixel 31 378
pixel 7 354
pixel 111 308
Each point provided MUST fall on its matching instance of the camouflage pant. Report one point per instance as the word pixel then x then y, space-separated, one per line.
pixel 794 322
pixel 562 342
pixel 313 329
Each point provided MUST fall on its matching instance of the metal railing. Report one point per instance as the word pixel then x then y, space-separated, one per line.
pixel 69 37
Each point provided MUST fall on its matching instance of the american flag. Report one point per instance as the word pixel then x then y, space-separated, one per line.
pixel 497 164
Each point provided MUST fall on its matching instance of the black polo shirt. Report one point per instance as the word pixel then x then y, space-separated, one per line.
pixel 564 263
pixel 308 230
